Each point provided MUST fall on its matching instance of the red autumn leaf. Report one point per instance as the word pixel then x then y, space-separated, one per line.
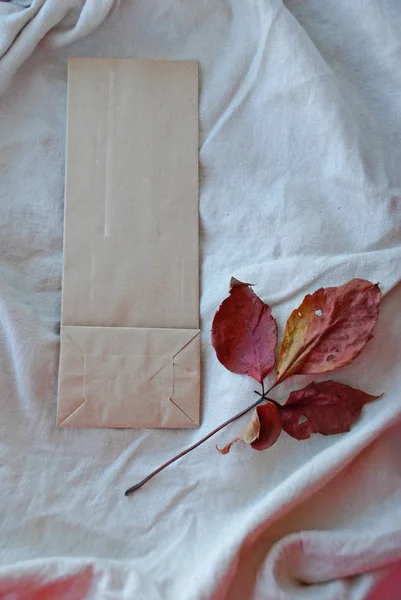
pixel 270 426
pixel 327 407
pixel 244 333
pixel 72 587
pixel 329 329
pixel 262 431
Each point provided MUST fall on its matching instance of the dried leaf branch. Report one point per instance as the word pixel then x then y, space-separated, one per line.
pixel 327 331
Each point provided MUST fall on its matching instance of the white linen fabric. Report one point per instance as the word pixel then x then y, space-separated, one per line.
pixel 300 155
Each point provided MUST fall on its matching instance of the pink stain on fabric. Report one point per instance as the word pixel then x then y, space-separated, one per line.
pixel 72 587
pixel 389 587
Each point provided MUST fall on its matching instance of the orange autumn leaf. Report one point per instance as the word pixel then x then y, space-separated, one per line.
pixel 329 329
pixel 261 432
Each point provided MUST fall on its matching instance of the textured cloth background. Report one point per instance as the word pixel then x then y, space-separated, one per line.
pixel 300 158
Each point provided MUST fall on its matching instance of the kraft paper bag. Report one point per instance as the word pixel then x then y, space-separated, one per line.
pixel 130 348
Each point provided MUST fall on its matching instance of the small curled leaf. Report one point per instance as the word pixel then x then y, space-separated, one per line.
pixel 244 333
pixel 329 329
pixel 261 432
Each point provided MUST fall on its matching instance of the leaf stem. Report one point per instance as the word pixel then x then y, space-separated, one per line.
pixel 135 487
pixel 274 402
pixel 264 396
